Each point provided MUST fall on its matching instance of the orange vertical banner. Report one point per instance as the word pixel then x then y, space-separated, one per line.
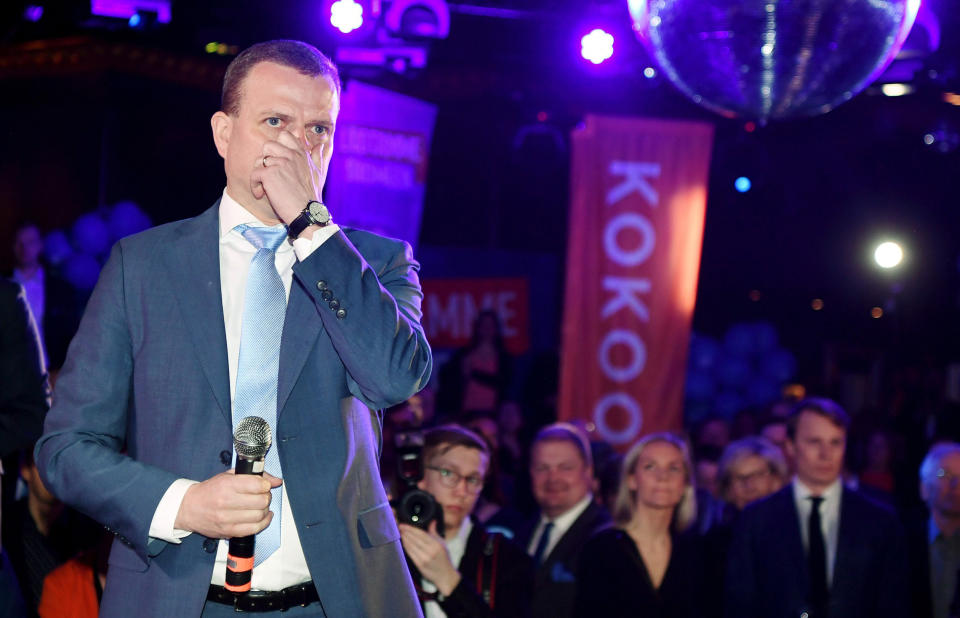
pixel 638 203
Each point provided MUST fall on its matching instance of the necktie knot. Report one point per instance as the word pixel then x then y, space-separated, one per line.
pixel 816 501
pixel 269 238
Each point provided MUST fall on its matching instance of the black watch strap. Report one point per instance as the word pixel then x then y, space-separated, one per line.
pixel 315 213
pixel 299 224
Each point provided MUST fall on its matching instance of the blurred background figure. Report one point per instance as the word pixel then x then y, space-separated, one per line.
pixel 561 474
pixel 477 377
pixel 74 588
pixel 53 301
pixel 645 565
pixel 24 399
pixel 934 536
pixel 750 469
pixel 40 533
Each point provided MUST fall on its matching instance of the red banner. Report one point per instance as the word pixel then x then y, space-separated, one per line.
pixel 638 202
pixel 450 307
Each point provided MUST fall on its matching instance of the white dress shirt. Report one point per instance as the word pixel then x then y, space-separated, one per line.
pixel 287 566
pixel 456 547
pixel 829 518
pixel 560 526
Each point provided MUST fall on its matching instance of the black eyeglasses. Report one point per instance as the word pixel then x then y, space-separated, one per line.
pixel 450 479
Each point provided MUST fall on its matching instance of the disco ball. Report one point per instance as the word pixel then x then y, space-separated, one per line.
pixel 772 59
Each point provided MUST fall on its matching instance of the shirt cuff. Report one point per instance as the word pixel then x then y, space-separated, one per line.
pixel 303 247
pixel 161 527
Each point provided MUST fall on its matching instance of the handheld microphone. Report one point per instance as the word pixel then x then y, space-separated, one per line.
pixel 252 440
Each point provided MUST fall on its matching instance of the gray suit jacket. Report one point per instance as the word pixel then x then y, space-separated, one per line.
pixel 144 399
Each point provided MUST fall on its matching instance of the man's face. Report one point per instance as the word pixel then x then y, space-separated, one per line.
pixel 942 493
pixel 750 479
pixel 470 465
pixel 559 476
pixel 27 246
pixel 817 450
pixel 274 99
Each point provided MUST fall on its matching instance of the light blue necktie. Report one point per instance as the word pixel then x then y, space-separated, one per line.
pixel 264 307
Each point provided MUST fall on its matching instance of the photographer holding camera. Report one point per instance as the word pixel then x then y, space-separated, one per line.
pixel 459 569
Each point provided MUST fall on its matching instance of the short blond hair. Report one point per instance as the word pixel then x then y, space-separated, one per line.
pixel 624 504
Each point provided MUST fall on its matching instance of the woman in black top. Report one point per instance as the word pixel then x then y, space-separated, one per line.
pixel 645 566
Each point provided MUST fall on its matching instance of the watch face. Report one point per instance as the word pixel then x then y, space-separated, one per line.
pixel 319 213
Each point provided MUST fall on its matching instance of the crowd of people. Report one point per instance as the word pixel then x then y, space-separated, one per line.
pixel 795 512
pixel 778 529
pixel 783 513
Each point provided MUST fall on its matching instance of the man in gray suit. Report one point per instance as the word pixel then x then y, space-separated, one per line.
pixel 140 436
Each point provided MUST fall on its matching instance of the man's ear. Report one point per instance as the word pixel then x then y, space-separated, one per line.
pixel 222 125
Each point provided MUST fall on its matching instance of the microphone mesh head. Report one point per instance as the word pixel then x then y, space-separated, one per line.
pixel 252 437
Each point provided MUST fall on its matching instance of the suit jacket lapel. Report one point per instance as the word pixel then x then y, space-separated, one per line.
pixel 845 561
pixel 193 264
pixel 795 557
pixel 301 326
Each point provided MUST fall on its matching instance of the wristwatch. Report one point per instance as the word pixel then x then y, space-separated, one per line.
pixel 315 213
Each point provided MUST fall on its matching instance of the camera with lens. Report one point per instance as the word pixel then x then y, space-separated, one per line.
pixel 414 506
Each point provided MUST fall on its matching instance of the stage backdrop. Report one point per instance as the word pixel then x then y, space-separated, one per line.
pixel 638 201
pixel 379 166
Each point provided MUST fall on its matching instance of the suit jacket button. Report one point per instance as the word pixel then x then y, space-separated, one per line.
pixel 321 285
pixel 210 545
pixel 334 304
pixel 226 457
pixel 326 295
pixel 341 313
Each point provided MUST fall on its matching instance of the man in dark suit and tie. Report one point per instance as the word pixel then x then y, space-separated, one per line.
pixel 561 472
pixel 816 549
pixel 260 305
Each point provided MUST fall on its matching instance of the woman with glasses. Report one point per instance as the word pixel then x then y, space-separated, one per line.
pixel 646 566
pixel 466 571
pixel 750 469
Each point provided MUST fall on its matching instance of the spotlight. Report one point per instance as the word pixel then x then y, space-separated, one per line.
pixel 896 90
pixel 135 20
pixel 888 254
pixel 346 15
pixel 742 184
pixel 597 46
pixel 649 72
pixel 33 12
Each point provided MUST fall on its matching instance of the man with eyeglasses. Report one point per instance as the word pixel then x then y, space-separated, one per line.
pixel 467 572
pixel 935 542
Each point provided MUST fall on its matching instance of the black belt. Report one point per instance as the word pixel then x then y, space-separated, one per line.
pixel 265 601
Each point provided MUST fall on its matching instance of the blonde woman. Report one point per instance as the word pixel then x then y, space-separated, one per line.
pixel 644 566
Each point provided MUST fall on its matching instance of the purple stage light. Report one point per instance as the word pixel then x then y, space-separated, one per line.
pixel 346 15
pixel 33 13
pixel 126 9
pixel 597 46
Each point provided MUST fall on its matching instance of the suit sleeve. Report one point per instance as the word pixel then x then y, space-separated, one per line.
pixel 80 455
pixel 372 315
pixel 24 390
pixel 740 586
